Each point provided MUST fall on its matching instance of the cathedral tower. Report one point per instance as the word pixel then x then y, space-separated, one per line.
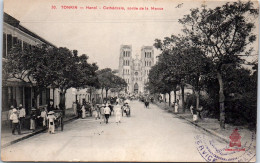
pixel 135 71
pixel 125 64
pixel 147 58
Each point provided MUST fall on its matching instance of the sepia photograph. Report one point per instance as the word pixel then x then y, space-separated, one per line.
pixel 129 80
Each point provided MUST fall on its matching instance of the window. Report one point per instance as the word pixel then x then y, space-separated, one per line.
pixel 4 45
pixel 9 43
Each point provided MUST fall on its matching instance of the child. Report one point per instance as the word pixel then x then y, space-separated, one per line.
pixel 51 117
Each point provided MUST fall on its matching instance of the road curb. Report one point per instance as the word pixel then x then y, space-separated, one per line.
pixel 223 138
pixel 32 134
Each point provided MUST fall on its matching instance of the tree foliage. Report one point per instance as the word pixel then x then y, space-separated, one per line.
pixel 224 34
pixel 43 66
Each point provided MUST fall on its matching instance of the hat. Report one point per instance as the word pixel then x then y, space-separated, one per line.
pixel 103 105
pixel 51 112
pixel 33 109
pixel 20 105
pixel 12 107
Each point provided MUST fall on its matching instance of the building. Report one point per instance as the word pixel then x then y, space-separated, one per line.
pixel 15 91
pixel 134 70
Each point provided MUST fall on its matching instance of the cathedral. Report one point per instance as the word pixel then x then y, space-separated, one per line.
pixel 134 70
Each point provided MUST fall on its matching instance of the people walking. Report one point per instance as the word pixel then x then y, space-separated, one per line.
pixel 9 115
pixel 107 113
pixel 118 113
pixel 22 115
pixel 15 120
pixel 51 117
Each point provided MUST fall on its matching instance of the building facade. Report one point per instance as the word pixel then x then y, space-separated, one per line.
pixel 15 91
pixel 134 70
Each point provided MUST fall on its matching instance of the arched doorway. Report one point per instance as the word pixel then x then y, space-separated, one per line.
pixel 136 88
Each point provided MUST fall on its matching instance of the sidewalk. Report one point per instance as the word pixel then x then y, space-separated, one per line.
pixel 212 126
pixel 8 139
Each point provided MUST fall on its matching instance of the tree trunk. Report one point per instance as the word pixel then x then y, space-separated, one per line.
pixel 221 100
pixel 62 101
pixel 106 93
pixel 169 99
pixel 36 93
pixel 164 99
pixel 90 95
pixel 197 99
pixel 175 98
pixel 182 99
pixel 102 95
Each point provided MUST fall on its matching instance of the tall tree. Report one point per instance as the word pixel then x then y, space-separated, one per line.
pixel 30 66
pixel 108 80
pixel 224 33
pixel 72 70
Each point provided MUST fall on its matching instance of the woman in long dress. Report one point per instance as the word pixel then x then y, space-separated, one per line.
pixel 118 112
pixel 83 111
pixel 176 105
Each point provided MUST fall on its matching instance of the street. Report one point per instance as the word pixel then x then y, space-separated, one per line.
pixel 148 135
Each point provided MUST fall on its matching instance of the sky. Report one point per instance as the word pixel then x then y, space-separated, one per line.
pixel 99 33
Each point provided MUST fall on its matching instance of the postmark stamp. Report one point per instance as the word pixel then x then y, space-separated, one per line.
pixel 236 150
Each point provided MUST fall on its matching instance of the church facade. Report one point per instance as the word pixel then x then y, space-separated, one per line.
pixel 134 70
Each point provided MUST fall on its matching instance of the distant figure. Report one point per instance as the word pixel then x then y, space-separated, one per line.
pixel 50 106
pixel 107 113
pixel 102 113
pixel 32 119
pixel 74 107
pixel 83 110
pixel 9 115
pixel 44 117
pixel 146 103
pixel 96 111
pixel 118 113
pixel 22 115
pixel 176 107
pixel 15 120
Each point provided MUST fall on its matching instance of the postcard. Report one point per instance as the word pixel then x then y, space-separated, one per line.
pixel 116 80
